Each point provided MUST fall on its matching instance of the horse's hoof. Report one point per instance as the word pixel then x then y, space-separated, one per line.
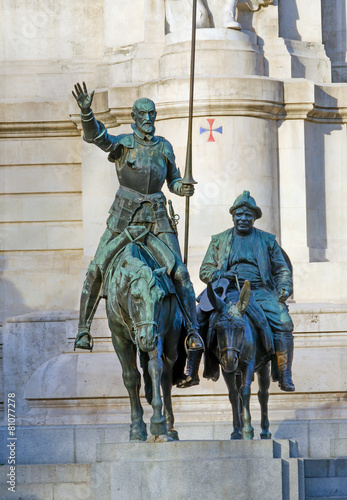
pixel 158 428
pixel 236 435
pixel 265 435
pixel 173 435
pixel 138 432
pixel 159 439
pixel 248 434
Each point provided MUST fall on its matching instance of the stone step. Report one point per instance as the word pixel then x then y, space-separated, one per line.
pixel 326 478
pixel 47 482
pixel 194 450
pixel 321 468
pixel 326 487
pixel 192 470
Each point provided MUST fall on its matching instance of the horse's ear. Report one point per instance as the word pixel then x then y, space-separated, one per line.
pixel 245 297
pixel 217 303
pixel 159 272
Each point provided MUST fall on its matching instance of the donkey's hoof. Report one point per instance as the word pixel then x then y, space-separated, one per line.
pixel 265 435
pixel 158 428
pixel 236 435
pixel 173 435
pixel 138 432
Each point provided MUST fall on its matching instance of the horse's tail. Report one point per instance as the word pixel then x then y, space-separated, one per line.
pixel 146 377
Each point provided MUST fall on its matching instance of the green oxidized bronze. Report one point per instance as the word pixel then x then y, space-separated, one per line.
pixel 143 163
pixel 246 253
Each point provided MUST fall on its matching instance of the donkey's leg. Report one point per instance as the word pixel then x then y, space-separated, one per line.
pixel 234 398
pixel 263 397
pixel 247 430
pixel 155 370
pixel 126 353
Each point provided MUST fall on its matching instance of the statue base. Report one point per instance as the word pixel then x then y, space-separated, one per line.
pixel 219 51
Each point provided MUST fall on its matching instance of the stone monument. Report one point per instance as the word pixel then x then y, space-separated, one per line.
pixel 270 101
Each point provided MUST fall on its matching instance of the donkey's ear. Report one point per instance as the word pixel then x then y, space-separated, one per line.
pixel 245 296
pixel 159 272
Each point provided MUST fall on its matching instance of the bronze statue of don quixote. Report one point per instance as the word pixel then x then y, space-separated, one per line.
pixel 241 322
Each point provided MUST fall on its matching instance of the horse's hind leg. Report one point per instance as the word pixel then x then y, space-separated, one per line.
pixel 166 384
pixel 155 370
pixel 263 397
pixel 234 398
pixel 132 380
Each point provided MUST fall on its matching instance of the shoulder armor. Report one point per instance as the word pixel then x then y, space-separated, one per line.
pixel 126 140
pixel 167 149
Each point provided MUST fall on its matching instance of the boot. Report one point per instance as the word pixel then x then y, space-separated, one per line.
pixel 192 371
pixel 284 347
pixel 88 305
pixel 229 20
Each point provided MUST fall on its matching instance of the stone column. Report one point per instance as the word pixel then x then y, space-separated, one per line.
pixel 334 19
pixel 301 20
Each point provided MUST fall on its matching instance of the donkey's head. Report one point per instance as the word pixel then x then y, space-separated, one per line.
pixel 229 325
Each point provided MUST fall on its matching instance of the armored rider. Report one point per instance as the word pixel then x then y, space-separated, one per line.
pixel 253 255
pixel 143 163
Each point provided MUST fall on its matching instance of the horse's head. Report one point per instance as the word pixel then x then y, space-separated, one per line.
pixel 229 325
pixel 145 297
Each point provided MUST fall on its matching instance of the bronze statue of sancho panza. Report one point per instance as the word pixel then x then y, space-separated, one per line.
pixel 143 163
pixel 253 255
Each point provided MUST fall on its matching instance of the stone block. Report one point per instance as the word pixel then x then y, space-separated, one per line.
pixel 23 179
pixel 29 492
pixel 41 207
pixel 338 447
pixel 40 444
pixel 76 491
pixel 328 487
pixel 193 450
pixel 324 468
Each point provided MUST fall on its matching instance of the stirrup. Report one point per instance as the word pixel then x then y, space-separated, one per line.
pixel 193 342
pixel 79 336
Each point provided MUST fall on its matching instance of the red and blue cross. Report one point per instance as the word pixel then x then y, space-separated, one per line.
pixel 211 130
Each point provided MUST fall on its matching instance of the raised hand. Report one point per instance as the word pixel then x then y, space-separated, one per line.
pixel 83 99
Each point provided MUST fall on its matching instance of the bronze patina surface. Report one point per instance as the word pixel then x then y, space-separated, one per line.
pixel 143 163
pixel 246 253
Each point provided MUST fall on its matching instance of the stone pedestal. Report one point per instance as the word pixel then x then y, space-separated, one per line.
pixel 194 470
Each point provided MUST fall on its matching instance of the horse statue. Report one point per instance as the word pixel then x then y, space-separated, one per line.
pixel 233 343
pixel 144 317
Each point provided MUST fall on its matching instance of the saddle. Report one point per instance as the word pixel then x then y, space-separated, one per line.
pixel 147 243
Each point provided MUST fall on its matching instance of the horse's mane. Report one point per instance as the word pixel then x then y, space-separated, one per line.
pixel 131 259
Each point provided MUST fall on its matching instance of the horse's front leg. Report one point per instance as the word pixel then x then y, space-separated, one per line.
pixel 155 370
pixel 263 397
pixel 126 353
pixel 230 380
pixel 166 383
pixel 247 431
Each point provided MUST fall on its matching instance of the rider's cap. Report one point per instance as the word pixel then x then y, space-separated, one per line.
pixel 246 200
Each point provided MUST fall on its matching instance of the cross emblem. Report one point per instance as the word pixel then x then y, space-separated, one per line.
pixel 211 130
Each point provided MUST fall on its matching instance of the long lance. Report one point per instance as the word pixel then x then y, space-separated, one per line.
pixel 188 173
